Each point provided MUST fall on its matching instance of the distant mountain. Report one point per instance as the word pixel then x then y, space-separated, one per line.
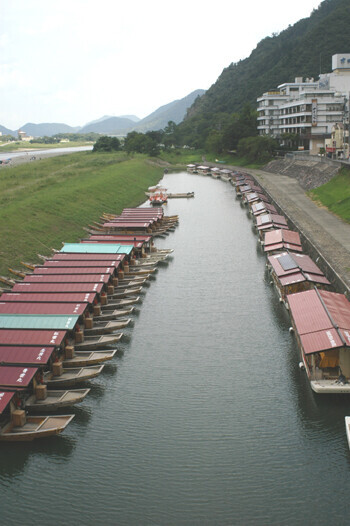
pixel 173 111
pixel 107 125
pixel 131 117
pixel 110 125
pixel 47 129
pixel 6 131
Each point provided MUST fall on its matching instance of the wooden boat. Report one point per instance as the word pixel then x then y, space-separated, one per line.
pixel 124 293
pixel 321 323
pixel 135 271
pixel 106 327
pixel 181 195
pixel 117 313
pixel 55 400
pixel 87 358
pixel 35 427
pixel 130 283
pixel 347 428
pixel 120 304
pixel 71 376
pixel 97 342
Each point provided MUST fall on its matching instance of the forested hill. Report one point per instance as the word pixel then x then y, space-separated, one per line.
pixel 300 50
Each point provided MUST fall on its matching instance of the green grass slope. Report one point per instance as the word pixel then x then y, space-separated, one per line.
pixel 49 201
pixel 335 195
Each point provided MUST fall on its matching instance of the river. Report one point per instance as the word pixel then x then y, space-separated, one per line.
pixel 42 153
pixel 204 418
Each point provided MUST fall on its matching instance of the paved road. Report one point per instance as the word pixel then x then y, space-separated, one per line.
pixel 329 234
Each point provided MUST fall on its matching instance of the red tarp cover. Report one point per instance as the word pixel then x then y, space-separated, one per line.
pixel 267 220
pixel 57 287
pixel 49 271
pixel 17 377
pixel 124 237
pixel 320 341
pixel 308 312
pixel 14 307
pixel 43 297
pixel 25 355
pixel 5 399
pixel 31 337
pixel 136 244
pixel 303 266
pixel 74 256
pixel 314 325
pixel 69 278
pixel 128 224
pixel 70 263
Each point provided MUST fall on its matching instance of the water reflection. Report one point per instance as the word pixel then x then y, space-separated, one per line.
pixel 15 455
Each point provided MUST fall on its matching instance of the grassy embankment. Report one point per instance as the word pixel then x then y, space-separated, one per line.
pixel 49 201
pixel 335 195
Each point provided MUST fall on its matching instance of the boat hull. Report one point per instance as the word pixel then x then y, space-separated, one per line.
pixel 35 427
pixel 86 358
pixel 56 400
pixel 73 376
pixel 97 342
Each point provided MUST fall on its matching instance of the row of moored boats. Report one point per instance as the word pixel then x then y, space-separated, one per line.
pixel 60 320
pixel 320 316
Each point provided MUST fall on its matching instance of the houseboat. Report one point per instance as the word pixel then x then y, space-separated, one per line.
pixel 321 321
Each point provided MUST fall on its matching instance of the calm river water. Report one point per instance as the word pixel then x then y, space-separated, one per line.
pixel 204 418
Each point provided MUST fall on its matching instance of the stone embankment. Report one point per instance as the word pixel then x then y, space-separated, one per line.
pixel 309 174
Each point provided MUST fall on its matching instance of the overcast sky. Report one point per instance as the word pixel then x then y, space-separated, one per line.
pixel 74 61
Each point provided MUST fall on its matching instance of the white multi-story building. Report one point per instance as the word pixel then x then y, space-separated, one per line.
pixel 309 109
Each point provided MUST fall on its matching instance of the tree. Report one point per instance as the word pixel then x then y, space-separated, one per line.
pixel 257 149
pixel 107 144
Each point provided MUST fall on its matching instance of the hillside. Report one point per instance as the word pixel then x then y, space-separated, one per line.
pixel 46 129
pixel 111 125
pixel 174 111
pixel 304 49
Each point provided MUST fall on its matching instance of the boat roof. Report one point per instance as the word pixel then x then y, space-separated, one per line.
pixel 245 188
pixel 25 355
pixel 287 237
pixel 85 260
pixel 38 321
pixel 263 197
pixel 29 337
pixel 67 278
pixel 16 377
pixel 17 307
pixel 42 297
pixel 127 237
pixel 141 210
pixel 286 263
pixel 321 318
pixel 5 399
pixel 267 220
pixel 261 207
pixel 125 223
pixel 106 239
pixel 252 196
pixel 47 270
pixel 96 248
pixel 57 287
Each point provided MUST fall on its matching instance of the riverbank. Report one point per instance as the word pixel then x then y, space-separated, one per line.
pixel 45 202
